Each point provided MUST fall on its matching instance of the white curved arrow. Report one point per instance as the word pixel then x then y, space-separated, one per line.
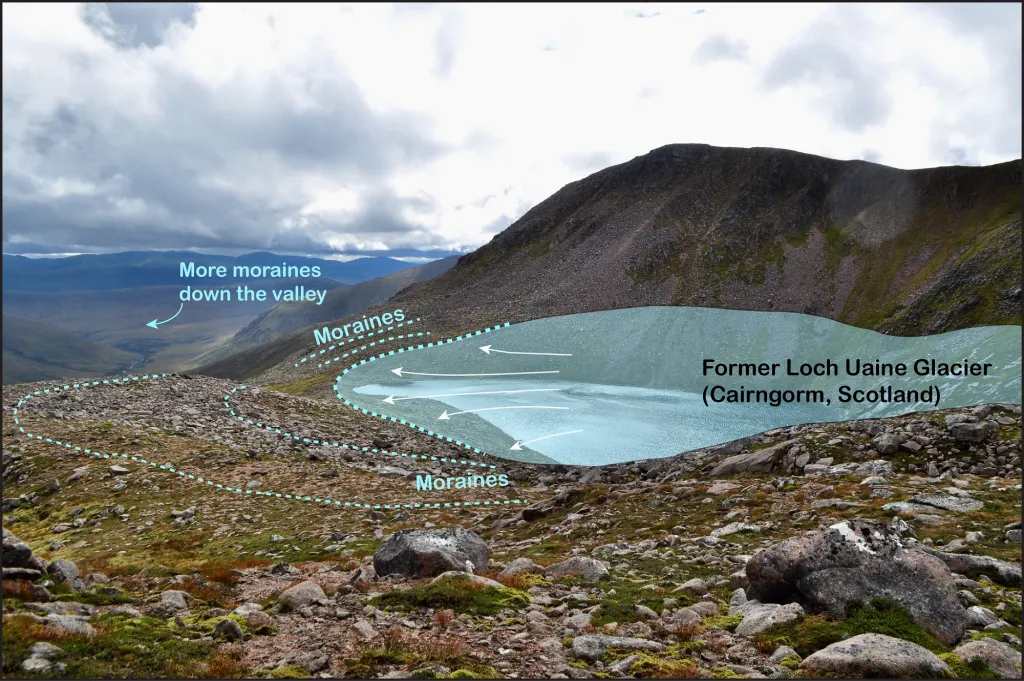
pixel 391 399
pixel 400 371
pixel 519 445
pixel 445 416
pixel 488 350
pixel 155 324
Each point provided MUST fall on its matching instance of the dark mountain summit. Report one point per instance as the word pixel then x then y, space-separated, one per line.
pixel 901 251
pixel 906 252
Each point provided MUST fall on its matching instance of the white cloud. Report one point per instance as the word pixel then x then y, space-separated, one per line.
pixel 430 126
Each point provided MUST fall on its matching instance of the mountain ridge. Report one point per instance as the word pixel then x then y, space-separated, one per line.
pixel 794 232
pixel 904 252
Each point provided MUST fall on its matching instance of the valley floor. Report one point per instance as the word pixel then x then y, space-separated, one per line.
pixel 119 568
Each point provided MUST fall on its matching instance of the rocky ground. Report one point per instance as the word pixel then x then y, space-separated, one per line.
pixel 888 548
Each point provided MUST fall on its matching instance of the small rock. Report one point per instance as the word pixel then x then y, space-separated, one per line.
pixel 365 629
pixel 301 595
pixel 228 629
pixel 521 566
pixel 781 653
pixel 594 646
pixel 580 566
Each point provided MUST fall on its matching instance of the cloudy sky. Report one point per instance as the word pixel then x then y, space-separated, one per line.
pixel 407 128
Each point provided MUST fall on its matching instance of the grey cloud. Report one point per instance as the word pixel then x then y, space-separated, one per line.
pixel 996 28
pixel 133 24
pixel 446 41
pixel 961 156
pixel 871 155
pixel 720 48
pixel 587 162
pixel 169 183
pixel 851 82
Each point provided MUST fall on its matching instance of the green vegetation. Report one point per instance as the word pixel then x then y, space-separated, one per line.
pixel 976 668
pixel 303 386
pixel 975 253
pixel 813 632
pixel 727 622
pixel 122 648
pixel 837 245
pixel 459 594
pixel 417 654
pixel 621 606
pixel 95 598
pixel 650 667
pixel 289 672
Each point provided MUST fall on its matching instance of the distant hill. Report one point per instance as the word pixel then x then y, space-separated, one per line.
pixel 78 294
pixel 285 319
pixel 34 351
pixel 137 269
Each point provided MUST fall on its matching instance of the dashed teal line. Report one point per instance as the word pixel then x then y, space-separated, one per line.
pixel 370 345
pixel 201 480
pixel 329 443
pixel 324 351
pixel 410 424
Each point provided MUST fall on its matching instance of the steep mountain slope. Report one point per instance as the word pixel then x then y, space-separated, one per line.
pixel 905 252
pixel 286 320
pixel 36 351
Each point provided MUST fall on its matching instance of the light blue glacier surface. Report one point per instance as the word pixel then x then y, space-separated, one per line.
pixel 632 388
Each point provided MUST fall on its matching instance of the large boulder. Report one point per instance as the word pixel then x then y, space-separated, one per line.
pixel 64 571
pixel 1001 658
pixel 18 554
pixel 971 432
pixel 853 562
pixel 876 656
pixel 886 443
pixel 428 553
pixel 761 461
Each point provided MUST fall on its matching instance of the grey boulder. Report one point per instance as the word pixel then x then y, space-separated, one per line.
pixel 761 461
pixel 594 646
pixel 580 566
pixel 876 656
pixel 760 616
pixel 1001 658
pixel 853 562
pixel 999 571
pixel 306 593
pixel 428 553
pixel 521 566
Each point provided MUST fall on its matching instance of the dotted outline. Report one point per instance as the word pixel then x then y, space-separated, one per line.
pixel 343 445
pixel 321 365
pixel 411 348
pixel 200 479
pixel 324 351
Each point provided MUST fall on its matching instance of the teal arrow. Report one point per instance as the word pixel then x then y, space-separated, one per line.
pixel 154 324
